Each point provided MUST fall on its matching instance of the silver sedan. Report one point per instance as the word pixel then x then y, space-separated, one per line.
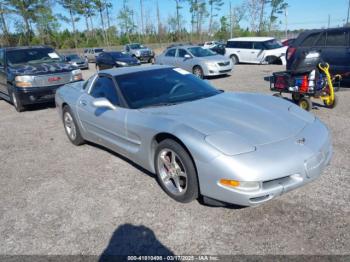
pixel 197 60
pixel 237 148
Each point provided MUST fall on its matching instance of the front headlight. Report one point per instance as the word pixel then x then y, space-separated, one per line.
pixel 211 64
pixel 240 185
pixel 77 75
pixel 121 63
pixel 24 81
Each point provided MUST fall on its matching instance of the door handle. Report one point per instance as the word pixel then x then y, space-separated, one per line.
pixel 83 102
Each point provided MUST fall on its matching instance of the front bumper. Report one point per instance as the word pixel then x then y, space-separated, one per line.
pixel 279 168
pixel 37 95
pixel 217 70
pixel 145 58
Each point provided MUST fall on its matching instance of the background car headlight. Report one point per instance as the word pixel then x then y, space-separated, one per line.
pixel 241 185
pixel 24 81
pixel 121 63
pixel 77 75
pixel 211 64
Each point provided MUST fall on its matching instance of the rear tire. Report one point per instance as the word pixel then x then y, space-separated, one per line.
pixel 234 59
pixel 71 127
pixel 305 103
pixel 296 97
pixel 176 173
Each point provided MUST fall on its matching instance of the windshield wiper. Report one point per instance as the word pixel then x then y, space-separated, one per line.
pixel 163 104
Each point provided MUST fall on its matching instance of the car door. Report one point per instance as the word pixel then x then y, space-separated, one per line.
pixel 103 125
pixel 336 51
pixel 169 57
pixel 257 53
pixel 245 49
pixel 3 77
pixel 182 61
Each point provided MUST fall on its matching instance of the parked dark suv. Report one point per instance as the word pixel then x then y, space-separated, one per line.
pixel 332 44
pixel 30 75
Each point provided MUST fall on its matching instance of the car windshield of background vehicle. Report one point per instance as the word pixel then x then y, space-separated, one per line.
pixel 32 56
pixel 136 46
pixel 200 52
pixel 117 55
pixel 163 87
pixel 272 44
pixel 98 50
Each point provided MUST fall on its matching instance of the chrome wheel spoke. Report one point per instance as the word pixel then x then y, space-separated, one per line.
pixel 176 180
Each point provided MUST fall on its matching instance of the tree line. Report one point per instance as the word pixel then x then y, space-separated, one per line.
pixel 35 22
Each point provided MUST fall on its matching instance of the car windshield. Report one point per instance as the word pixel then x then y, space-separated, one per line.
pixel 71 57
pixel 162 87
pixel 200 52
pixel 136 46
pixel 272 44
pixel 117 55
pixel 98 50
pixel 32 56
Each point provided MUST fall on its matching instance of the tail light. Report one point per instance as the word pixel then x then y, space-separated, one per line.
pixel 290 52
pixel 304 85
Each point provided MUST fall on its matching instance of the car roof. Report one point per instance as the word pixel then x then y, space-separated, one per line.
pixel 132 69
pixel 26 47
pixel 252 39
pixel 184 46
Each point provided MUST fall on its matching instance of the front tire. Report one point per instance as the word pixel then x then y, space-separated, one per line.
pixel 71 127
pixel 16 101
pixel 176 172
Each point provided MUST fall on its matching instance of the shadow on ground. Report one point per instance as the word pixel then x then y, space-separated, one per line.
pixel 131 240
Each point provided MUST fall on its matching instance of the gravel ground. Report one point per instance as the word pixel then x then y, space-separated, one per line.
pixel 56 198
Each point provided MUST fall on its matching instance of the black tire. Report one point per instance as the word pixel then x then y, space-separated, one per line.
pixel 296 97
pixel 151 60
pixel 234 59
pixel 192 189
pixel 77 139
pixel 278 95
pixel 305 103
pixel 198 71
pixel 17 103
pixel 333 105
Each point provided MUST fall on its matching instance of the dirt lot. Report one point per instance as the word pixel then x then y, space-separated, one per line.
pixel 56 198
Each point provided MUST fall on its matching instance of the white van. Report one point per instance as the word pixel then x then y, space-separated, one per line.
pixel 256 50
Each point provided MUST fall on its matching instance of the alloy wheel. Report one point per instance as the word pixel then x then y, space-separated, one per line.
pixel 172 172
pixel 70 126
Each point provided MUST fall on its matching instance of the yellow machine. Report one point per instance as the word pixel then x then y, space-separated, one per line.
pixel 327 96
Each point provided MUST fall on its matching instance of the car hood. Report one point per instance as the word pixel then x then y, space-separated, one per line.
pixel 41 69
pixel 214 58
pixel 259 119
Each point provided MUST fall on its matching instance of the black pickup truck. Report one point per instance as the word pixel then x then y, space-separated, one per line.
pixel 31 75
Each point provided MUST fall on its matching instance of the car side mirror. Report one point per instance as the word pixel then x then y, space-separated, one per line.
pixel 103 103
pixel 187 56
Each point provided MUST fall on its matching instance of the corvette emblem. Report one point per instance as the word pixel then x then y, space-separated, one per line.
pixel 301 141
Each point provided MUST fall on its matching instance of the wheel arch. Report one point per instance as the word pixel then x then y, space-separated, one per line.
pixel 161 137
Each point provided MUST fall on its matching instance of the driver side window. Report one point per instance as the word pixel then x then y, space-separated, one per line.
pixel 171 52
pixel 104 87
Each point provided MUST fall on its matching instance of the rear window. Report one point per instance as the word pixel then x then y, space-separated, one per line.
pixel 310 40
pixel 336 38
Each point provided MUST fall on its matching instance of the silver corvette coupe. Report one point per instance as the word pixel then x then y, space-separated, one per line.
pixel 236 148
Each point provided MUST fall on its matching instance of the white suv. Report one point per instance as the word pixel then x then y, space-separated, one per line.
pixel 256 50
